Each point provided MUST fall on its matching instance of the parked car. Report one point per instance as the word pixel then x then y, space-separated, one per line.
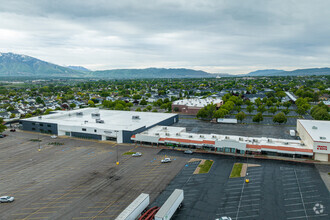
pixel 53 136
pixel 13 130
pixel 137 154
pixel 2 136
pixel 188 152
pixel 166 160
pixel 223 218
pixel 6 199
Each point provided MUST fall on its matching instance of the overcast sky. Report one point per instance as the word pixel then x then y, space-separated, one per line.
pixel 234 36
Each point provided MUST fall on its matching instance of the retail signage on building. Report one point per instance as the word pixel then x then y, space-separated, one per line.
pixel 319 147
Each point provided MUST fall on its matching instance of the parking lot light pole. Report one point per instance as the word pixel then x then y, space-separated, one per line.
pixel 38 136
pixel 117 147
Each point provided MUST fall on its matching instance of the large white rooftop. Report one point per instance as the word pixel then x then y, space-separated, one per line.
pixel 199 103
pixel 113 120
pixel 180 133
pixel 318 130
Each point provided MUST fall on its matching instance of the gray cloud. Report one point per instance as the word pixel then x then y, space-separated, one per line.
pixel 212 35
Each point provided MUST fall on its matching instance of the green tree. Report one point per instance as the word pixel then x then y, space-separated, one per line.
pixel 28 115
pixel 202 113
pixel 10 108
pixel 272 110
pixel 258 117
pixel 91 103
pixel 321 114
pixel 149 107
pixel 221 113
pixel 13 115
pixel 261 108
pixel 280 118
pixel 136 96
pixel 143 102
pixel 286 111
pixel 73 105
pixel 2 128
pixel 39 100
pixel 269 103
pixel 240 116
pixel 287 104
pixel 155 110
pixel 119 106
pixel 250 108
pixel 138 109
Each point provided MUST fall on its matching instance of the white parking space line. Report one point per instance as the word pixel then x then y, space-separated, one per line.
pixel 249 216
pixel 301 194
pixel 288 184
pixel 298 210
pixel 232 197
pixel 292 198
pixel 251 200
pixel 239 204
pixel 255 204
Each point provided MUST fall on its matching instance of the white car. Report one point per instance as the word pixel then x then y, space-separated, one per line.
pixel 137 154
pixel 53 136
pixel 6 199
pixel 223 218
pixel 188 152
pixel 166 160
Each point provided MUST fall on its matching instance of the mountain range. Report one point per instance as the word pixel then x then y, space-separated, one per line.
pixel 16 65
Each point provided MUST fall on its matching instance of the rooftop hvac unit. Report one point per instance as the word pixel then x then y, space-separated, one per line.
pixel 241 139
pixel 269 140
pixel 85 122
pixel 157 134
pixel 201 136
pixel 302 144
pixel 323 138
pixel 177 134
pixel 167 134
pixel 314 127
pixel 79 114
pixel 164 128
pixel 255 140
pixel 286 143
pixel 99 121
pixel 190 136
pixel 95 115
pixel 136 117
pixel 226 137
pixel 40 117
pixel 213 136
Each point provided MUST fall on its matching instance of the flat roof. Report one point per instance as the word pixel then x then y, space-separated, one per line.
pixel 179 135
pixel 115 120
pixel 200 103
pixel 318 130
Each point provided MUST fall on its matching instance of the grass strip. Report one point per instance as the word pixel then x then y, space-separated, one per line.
pixel 129 153
pixel 236 171
pixel 205 168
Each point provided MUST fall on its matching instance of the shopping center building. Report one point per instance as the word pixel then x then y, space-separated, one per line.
pixel 310 145
pixel 94 123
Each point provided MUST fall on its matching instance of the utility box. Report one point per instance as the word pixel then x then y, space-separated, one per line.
pixel 292 133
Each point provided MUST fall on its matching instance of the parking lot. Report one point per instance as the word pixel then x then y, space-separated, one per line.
pixel 277 190
pixel 76 180
pixel 249 130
